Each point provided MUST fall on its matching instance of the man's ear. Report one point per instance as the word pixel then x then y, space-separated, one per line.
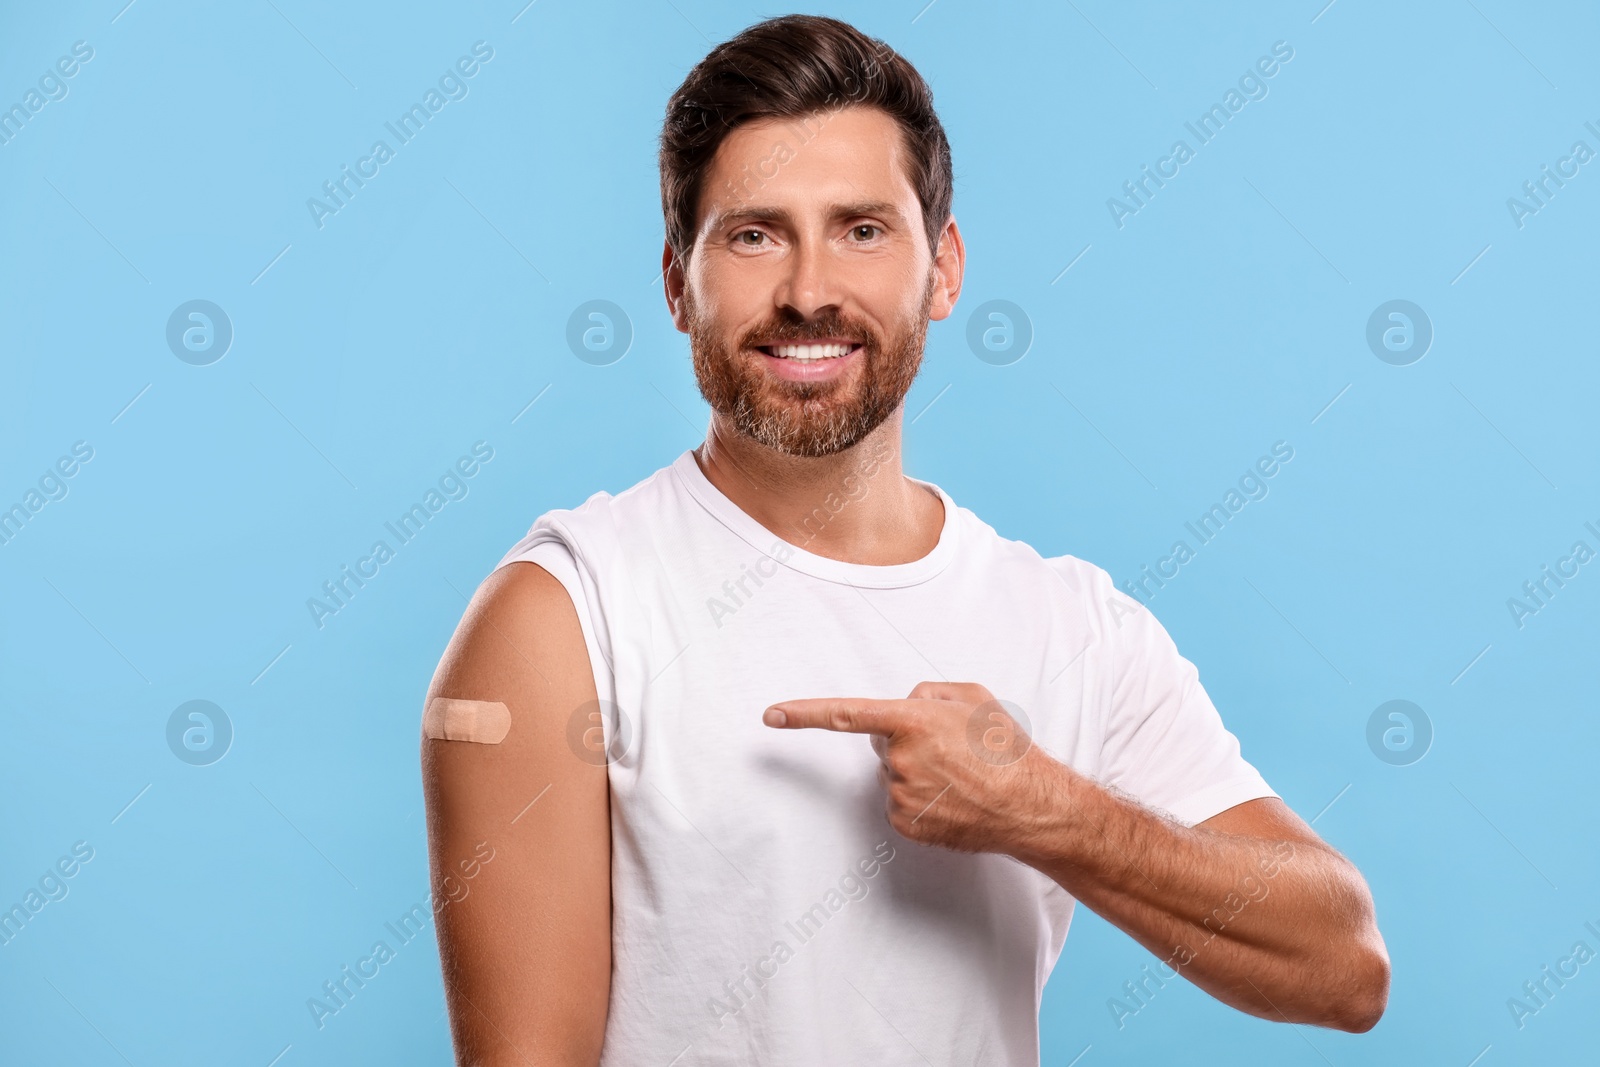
pixel 672 281
pixel 949 268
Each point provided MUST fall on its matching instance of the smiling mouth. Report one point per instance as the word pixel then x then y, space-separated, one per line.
pixel 810 352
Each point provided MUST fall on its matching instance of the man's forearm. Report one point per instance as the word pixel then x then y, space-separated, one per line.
pixel 1281 929
pixel 1264 917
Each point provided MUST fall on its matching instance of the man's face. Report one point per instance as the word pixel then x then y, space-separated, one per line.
pixel 810 232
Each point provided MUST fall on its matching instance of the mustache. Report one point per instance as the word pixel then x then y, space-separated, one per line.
pixel 810 332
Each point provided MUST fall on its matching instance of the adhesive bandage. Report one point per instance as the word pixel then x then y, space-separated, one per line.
pixel 449 719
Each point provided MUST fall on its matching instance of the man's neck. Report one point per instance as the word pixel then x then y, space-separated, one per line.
pixel 856 506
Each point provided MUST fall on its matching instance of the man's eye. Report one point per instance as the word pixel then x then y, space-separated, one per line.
pixel 747 233
pixel 866 226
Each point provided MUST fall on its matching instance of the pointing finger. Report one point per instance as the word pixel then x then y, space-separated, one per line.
pixel 847 715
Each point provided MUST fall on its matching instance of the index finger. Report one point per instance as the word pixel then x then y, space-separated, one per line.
pixel 845 714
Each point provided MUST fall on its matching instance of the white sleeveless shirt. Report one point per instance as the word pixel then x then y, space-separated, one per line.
pixel 763 910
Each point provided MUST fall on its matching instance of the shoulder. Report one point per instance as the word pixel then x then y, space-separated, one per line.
pixel 595 524
pixel 1103 599
pixel 1081 576
pixel 1085 584
pixel 1087 590
pixel 1109 612
pixel 527 593
pixel 519 641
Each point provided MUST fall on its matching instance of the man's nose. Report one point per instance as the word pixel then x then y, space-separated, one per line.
pixel 810 282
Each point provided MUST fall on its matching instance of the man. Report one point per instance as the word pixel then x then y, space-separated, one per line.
pixel 649 711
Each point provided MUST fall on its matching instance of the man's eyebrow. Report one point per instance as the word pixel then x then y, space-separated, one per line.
pixel 739 216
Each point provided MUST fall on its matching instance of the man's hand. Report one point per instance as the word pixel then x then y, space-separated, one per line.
pixel 959 770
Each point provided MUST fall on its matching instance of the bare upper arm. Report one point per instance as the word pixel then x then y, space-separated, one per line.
pixel 524 935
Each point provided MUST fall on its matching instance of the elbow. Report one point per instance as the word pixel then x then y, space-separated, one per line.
pixel 1367 996
pixel 1363 995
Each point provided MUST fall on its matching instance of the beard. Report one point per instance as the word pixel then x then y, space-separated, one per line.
pixel 808 419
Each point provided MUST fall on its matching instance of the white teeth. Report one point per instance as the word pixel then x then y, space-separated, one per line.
pixel 810 352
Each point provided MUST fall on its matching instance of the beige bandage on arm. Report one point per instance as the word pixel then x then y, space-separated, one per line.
pixel 449 719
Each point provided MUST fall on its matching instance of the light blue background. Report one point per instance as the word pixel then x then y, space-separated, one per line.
pixel 1223 317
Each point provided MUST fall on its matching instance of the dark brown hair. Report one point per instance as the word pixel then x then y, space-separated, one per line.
pixel 792 67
